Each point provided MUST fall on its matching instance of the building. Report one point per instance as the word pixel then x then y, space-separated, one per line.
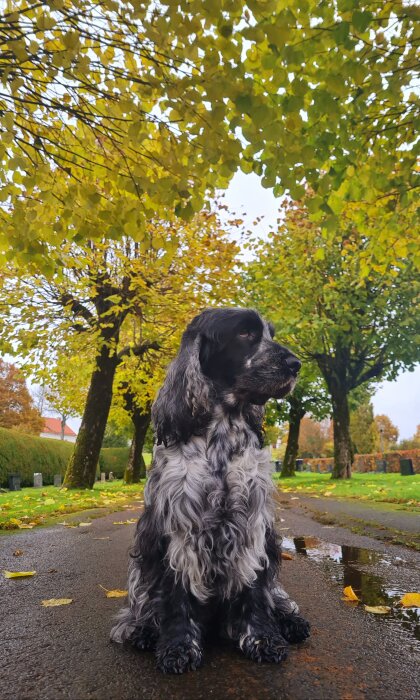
pixel 52 429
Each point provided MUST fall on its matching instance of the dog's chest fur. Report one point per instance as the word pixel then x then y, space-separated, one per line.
pixel 211 496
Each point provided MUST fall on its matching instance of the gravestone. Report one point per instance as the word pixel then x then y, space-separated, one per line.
pixel 57 479
pixel 381 465
pixel 103 476
pixel 14 482
pixel 110 476
pixel 406 467
pixel 299 465
pixel 37 480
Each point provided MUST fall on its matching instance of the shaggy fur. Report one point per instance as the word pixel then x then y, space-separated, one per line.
pixel 205 547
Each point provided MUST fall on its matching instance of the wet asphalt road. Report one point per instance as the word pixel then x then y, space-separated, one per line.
pixel 64 652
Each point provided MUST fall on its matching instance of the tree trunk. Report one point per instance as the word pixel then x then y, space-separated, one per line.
pixel 343 450
pixel 136 468
pixel 295 417
pixel 81 469
pixel 63 427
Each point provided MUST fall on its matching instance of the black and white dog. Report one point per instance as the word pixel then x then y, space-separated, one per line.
pixel 205 550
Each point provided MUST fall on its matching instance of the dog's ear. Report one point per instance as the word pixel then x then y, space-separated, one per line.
pixel 183 404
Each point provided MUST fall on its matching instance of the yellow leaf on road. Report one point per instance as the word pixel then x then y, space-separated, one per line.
pixel 17 553
pixel 85 524
pixel 116 593
pixel 350 594
pixel 410 600
pixel 286 555
pixel 22 526
pixel 54 602
pixel 378 609
pixel 18 574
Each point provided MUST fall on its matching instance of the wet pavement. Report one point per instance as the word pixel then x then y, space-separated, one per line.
pixel 64 652
pixel 392 517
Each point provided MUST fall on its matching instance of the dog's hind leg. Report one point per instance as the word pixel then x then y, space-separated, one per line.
pixel 179 647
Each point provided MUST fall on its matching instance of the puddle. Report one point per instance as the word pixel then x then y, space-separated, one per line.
pixel 347 566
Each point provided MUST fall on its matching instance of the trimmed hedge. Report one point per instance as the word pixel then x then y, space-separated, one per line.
pixel 115 460
pixel 26 454
pixel 368 463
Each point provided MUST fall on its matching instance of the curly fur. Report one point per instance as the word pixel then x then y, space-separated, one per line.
pixel 205 547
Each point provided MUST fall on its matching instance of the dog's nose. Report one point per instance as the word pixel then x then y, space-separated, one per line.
pixel 293 364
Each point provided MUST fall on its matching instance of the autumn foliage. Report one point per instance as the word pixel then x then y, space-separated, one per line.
pixel 16 406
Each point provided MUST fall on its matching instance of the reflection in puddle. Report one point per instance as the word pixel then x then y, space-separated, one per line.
pixel 343 564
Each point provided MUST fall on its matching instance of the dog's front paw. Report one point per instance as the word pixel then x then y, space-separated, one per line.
pixel 272 649
pixel 294 628
pixel 144 638
pixel 179 658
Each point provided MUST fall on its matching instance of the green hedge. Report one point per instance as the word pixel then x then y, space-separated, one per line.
pixel 115 460
pixel 25 454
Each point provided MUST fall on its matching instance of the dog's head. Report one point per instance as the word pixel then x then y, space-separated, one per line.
pixel 226 354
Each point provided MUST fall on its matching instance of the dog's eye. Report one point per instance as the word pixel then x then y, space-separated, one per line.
pixel 247 334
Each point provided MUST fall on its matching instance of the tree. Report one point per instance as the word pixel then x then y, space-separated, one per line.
pixel 51 399
pixel 410 443
pixel 16 406
pixel 387 432
pixel 356 330
pixel 312 438
pixel 116 300
pixel 115 436
pixel 363 429
pixel 309 396
pixel 173 97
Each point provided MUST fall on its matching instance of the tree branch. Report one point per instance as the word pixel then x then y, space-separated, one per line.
pixel 138 350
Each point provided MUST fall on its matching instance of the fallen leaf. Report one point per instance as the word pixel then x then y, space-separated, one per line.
pixel 17 553
pixel 410 600
pixel 54 602
pixel 49 501
pixel 286 555
pixel 378 609
pixel 116 593
pixel 101 538
pixel 294 498
pixel 22 526
pixel 350 594
pixel 18 574
pixel 85 524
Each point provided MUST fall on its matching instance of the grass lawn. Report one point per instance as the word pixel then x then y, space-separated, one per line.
pixel 30 507
pixel 388 488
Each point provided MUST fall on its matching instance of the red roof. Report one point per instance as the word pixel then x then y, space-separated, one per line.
pixel 53 426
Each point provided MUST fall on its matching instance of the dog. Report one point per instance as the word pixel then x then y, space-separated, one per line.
pixel 206 554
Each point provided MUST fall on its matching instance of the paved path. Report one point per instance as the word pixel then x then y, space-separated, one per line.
pixel 404 520
pixel 58 653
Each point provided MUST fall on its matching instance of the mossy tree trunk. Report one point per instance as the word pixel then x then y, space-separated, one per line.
pixel 296 413
pixel 136 468
pixel 335 375
pixel 81 470
pixel 140 417
pixel 343 448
